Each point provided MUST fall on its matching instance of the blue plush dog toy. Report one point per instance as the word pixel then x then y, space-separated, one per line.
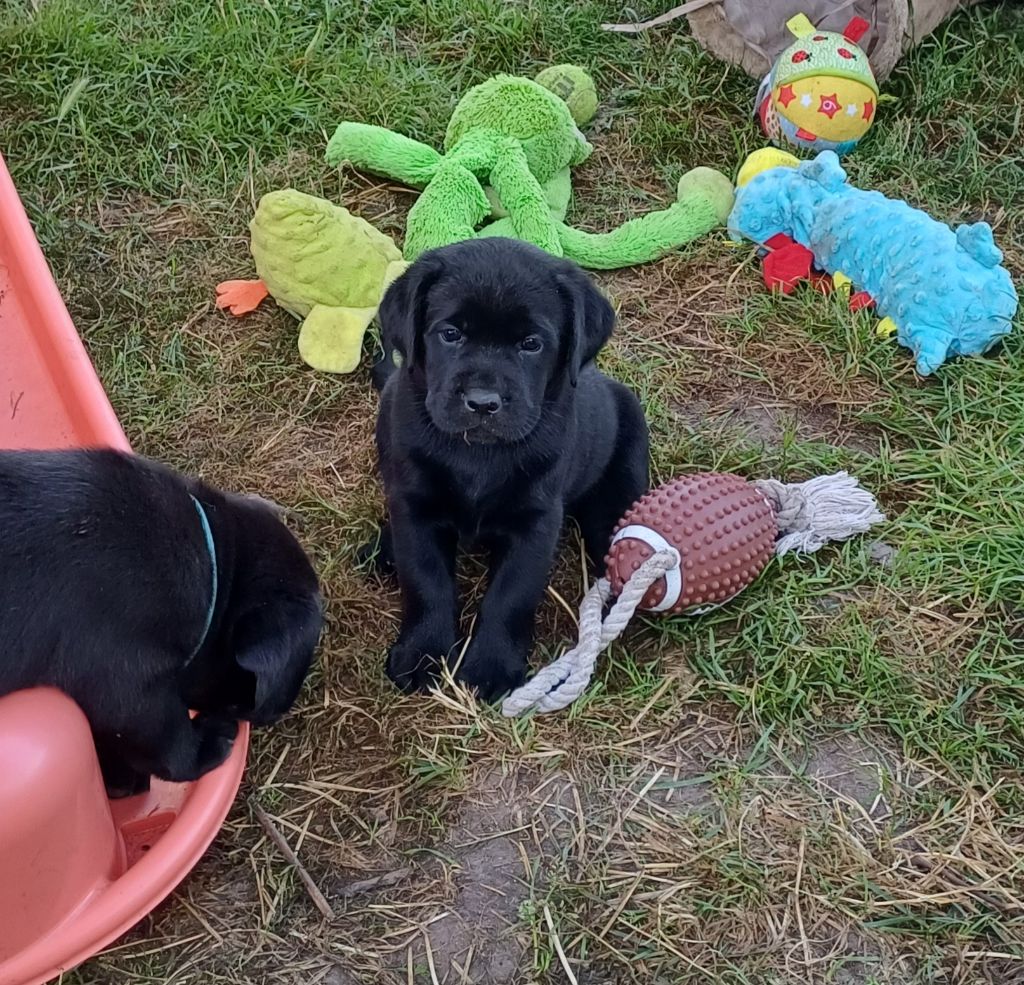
pixel 944 289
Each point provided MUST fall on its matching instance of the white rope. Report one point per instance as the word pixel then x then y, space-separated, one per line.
pixel 560 683
pixel 821 510
pixel 654 540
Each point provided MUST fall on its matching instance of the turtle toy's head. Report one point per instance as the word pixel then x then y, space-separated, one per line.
pixel 510 106
pixel 777 193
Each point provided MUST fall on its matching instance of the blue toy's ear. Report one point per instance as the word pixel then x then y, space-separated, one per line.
pixel 826 170
pixel 976 240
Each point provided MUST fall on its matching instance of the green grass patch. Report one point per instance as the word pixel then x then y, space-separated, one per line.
pixel 140 134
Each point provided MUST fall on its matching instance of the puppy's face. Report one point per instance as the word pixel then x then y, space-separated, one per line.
pixel 491 329
pixel 272 626
pixel 489 361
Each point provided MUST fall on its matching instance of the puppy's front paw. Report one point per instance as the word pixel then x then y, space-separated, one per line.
pixel 493 669
pixel 121 779
pixel 413 662
pixel 217 735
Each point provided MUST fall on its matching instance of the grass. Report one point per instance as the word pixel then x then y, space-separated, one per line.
pixel 818 784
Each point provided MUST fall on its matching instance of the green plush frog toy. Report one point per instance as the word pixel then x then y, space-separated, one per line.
pixel 508 150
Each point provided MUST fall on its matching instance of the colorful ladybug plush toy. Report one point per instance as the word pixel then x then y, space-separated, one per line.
pixel 821 93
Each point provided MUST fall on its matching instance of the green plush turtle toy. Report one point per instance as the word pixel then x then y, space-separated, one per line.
pixel 508 151
pixel 322 264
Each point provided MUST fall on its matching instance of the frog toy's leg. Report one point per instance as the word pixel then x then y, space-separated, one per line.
pixel 705 199
pixel 529 213
pixel 331 339
pixel 384 153
pixel 448 211
pixel 557 193
pixel 241 296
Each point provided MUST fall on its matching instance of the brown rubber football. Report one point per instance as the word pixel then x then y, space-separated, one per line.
pixel 723 528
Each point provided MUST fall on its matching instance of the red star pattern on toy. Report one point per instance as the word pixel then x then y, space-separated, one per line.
pixel 829 105
pixel 786 95
pixel 869 108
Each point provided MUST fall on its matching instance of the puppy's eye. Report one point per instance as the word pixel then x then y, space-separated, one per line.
pixel 531 344
pixel 451 335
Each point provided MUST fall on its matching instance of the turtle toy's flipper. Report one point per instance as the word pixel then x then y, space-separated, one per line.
pixel 384 153
pixel 930 346
pixel 241 296
pixel 704 202
pixel 331 339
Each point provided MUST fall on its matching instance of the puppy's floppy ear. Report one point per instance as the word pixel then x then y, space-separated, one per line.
pixel 275 642
pixel 402 313
pixel 589 319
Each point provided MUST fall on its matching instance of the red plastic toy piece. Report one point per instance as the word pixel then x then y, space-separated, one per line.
pixel 788 264
pixel 861 300
pixel 856 29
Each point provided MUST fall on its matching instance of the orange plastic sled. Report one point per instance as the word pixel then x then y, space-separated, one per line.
pixel 76 870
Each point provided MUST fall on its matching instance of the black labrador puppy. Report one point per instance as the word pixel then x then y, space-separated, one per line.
pixel 495 428
pixel 143 594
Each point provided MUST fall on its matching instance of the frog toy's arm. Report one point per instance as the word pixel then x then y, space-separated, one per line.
pixel 383 152
pixel 704 201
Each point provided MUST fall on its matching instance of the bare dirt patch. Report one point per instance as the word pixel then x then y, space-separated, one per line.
pixel 848 768
pixel 766 422
pixel 493 862
pixel 477 937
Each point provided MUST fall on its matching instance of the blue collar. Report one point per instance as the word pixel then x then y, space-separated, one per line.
pixel 212 551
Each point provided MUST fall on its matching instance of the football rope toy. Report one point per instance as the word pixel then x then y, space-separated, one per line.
pixel 686 548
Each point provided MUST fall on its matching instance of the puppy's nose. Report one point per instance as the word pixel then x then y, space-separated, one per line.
pixel 483 402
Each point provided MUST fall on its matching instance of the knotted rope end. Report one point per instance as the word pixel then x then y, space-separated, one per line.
pixel 824 509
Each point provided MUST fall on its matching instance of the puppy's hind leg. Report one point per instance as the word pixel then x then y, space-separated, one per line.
pixel 377 555
pixel 623 482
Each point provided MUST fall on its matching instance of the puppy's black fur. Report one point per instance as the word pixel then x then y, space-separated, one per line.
pixel 496 426
pixel 105 587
